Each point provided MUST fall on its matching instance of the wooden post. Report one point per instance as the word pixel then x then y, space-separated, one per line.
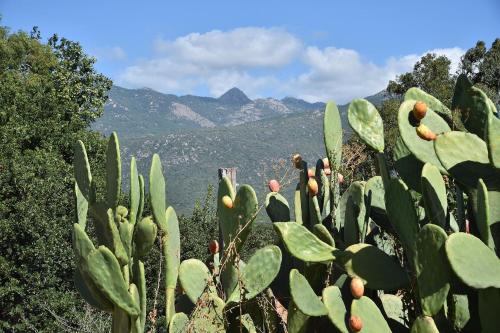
pixel 231 173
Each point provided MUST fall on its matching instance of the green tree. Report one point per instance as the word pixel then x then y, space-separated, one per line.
pixel 431 74
pixel 482 66
pixel 49 95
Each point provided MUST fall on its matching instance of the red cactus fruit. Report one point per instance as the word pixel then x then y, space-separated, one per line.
pixel 425 133
pixel 312 185
pixel 419 110
pixel 355 323
pixel 227 201
pixel 297 160
pixel 310 172
pixel 328 172
pixel 357 287
pixel 326 163
pixel 213 246
pixel 274 185
pixel 340 178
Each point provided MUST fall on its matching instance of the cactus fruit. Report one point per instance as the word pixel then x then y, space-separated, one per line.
pixel 312 186
pixel 227 201
pixel 419 110
pixel 340 178
pixel 297 160
pixel 311 173
pixel 357 287
pixel 326 163
pixel 425 133
pixel 144 236
pixel 213 246
pixel 328 171
pixel 355 323
pixel 274 185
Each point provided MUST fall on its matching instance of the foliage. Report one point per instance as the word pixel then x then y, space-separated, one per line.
pixel 49 93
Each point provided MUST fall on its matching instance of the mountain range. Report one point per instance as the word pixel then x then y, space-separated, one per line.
pixel 195 136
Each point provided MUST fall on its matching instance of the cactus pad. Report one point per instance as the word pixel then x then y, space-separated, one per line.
pixel 432 269
pixel 304 297
pixel 157 192
pixel 83 175
pixel 332 130
pixel 277 207
pixel 424 324
pixel 435 104
pixel 367 123
pixel 332 298
pixel 179 323
pixel 468 256
pixel 434 195
pixel 113 171
pixel 371 317
pixel 195 277
pixel 364 261
pixel 303 244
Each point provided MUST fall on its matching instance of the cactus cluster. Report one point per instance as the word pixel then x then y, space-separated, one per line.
pixel 387 255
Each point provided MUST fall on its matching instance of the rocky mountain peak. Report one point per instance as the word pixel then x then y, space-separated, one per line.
pixel 234 96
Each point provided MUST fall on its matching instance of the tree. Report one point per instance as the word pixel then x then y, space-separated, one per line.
pixel 482 66
pixel 49 95
pixel 431 74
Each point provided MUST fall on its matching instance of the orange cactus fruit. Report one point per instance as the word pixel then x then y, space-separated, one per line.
pixel 213 246
pixel 425 133
pixel 419 110
pixel 312 185
pixel 328 172
pixel 355 323
pixel 357 287
pixel 297 160
pixel 274 185
pixel 227 201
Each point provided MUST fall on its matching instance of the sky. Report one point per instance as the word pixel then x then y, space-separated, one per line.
pixel 314 50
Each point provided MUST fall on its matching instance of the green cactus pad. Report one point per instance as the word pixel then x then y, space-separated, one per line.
pixel 367 123
pixel 407 165
pixel 144 237
pixel 108 234
pixel 297 322
pixel 304 297
pixel 355 191
pixel 402 214
pixel 422 149
pixel 105 272
pixel 489 303
pixel 303 244
pixel 432 269
pixel 323 234
pixel 314 211
pixel 82 245
pixel 483 218
pixel 135 192
pixel 126 231
pixel 371 317
pixel 224 213
pixel 458 312
pixel 297 205
pixel 172 253
pixel 393 307
pixel 424 324
pixel 113 171
pixel 277 207
pixel 332 131
pixel 139 278
pixel 332 298
pixel 179 323
pixel 473 106
pixel 157 192
pixel 238 220
pixel 258 273
pixel 90 293
pixel 209 316
pixel 432 102
pixel 140 209
pixel 195 277
pixel 364 261
pixel 493 140
pixel 82 206
pixel 355 212
pixel 434 195
pixel 376 187
pixel 468 255
pixel 81 165
pixel 465 156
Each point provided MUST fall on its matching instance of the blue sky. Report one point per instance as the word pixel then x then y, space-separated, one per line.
pixel 316 50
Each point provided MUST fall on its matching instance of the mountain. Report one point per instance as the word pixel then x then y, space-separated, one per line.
pixel 145 112
pixel 195 136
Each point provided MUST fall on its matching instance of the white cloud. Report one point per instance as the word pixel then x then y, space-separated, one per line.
pixel 252 58
pixel 110 53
